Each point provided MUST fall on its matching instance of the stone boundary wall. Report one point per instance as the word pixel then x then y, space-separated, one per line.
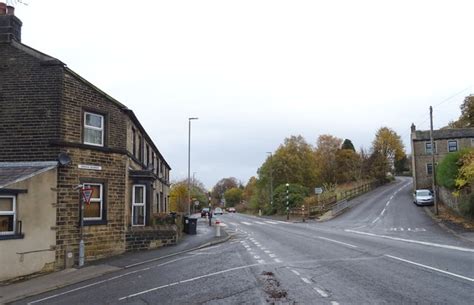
pixel 147 238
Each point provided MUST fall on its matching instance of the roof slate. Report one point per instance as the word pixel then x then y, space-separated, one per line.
pixel 454 133
pixel 12 172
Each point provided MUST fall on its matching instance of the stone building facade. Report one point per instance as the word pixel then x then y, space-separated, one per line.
pixel 47 110
pixel 445 141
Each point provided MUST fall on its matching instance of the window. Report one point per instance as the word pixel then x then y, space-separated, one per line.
pixel 153 160
pixel 452 145
pixel 428 147
pixel 140 148
pixel 93 129
pixel 147 155
pixel 161 203
pixel 134 142
pixel 138 205
pixel 95 210
pixel 7 215
pixel 429 169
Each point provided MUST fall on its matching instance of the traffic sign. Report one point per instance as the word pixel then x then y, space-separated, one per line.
pixel 318 190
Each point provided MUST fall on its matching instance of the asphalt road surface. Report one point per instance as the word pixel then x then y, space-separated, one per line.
pixel 384 250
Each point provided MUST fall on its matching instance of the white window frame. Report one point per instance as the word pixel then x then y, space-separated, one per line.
pixel 13 212
pixel 100 200
pixel 94 128
pixel 457 145
pixel 427 171
pixel 427 151
pixel 139 204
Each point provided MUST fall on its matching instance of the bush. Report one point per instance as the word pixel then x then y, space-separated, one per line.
pixel 447 170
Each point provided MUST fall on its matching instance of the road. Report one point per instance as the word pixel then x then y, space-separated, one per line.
pixel 384 250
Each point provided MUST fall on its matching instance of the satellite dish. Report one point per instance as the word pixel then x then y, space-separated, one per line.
pixel 64 159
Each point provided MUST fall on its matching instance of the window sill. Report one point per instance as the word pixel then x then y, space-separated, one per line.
pixel 12 236
pixel 94 222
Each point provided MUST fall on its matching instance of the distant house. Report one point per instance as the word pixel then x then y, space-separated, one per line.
pixel 47 110
pixel 445 141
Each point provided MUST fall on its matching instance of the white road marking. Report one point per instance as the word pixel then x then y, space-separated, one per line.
pixel 186 281
pixel 283 222
pixel 272 255
pixel 391 197
pixel 376 219
pixel 295 272
pixel 337 242
pixel 267 251
pixel 431 268
pixel 306 280
pixel 261 261
pixel 388 202
pixel 256 257
pixel 412 241
pixel 383 212
pixel 259 222
pixel 233 223
pixel 104 281
pixel 321 292
pixel 246 223
pixel 334 303
pixel 271 222
pixel 249 249
pixel 277 260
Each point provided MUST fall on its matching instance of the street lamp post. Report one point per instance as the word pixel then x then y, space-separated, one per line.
pixel 189 165
pixel 271 177
pixel 287 202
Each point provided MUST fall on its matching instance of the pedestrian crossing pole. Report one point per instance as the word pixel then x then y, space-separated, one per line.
pixel 287 202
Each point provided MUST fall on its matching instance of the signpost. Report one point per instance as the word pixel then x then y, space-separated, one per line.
pixel 86 195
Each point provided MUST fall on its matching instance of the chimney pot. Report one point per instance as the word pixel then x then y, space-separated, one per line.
pixel 10 10
pixel 3 9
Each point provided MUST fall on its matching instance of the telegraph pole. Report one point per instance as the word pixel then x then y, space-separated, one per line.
pixel 287 203
pixel 271 178
pixel 435 196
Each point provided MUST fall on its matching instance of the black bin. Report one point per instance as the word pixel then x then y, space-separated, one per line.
pixel 192 226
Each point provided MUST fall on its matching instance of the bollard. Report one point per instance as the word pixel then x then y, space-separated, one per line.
pixel 218 228
pixel 259 212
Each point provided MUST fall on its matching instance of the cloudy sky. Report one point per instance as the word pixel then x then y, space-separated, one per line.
pixel 255 72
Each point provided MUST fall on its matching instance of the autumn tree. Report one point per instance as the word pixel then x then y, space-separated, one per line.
pixel 233 196
pixel 249 189
pixel 221 187
pixel 326 148
pixel 179 194
pixel 388 144
pixel 347 165
pixel 466 119
pixel 296 195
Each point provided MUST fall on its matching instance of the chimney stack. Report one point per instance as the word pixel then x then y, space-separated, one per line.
pixel 10 25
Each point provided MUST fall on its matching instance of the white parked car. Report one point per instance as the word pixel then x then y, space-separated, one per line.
pixel 218 211
pixel 423 197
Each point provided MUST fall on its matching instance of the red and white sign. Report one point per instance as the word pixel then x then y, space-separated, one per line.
pixel 87 194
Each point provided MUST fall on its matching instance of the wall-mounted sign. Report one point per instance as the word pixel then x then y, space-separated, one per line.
pixel 90 167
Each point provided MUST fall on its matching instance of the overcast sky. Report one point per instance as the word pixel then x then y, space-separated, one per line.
pixel 255 72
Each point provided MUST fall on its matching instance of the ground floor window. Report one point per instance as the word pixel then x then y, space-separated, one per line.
pixel 138 205
pixel 7 215
pixel 94 210
pixel 162 203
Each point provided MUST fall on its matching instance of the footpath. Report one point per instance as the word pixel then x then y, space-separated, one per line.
pixel 205 237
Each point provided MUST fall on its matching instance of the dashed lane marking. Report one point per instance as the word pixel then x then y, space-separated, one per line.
pixel 272 255
pixel 295 272
pixel 246 223
pixel 277 260
pixel 271 222
pixel 259 222
pixel 261 261
pixel 306 280
pixel 321 292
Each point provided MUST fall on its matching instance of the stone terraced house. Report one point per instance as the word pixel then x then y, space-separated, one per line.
pixel 57 132
pixel 445 141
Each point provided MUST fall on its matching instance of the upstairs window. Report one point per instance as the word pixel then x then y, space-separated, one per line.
pixel 134 142
pixel 452 145
pixel 140 149
pixel 428 147
pixel 138 205
pixel 7 215
pixel 93 129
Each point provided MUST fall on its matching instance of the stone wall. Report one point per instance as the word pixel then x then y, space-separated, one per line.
pixel 146 238
pixel 446 196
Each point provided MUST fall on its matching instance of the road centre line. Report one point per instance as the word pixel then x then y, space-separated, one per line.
pixel 186 281
pixel 306 280
pixel 260 223
pixel 321 292
pixel 295 272
pixel 412 241
pixel 336 241
pixel 104 281
pixel 376 219
pixel 431 268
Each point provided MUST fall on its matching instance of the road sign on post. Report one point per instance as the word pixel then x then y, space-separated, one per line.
pixel 87 195
pixel 318 190
pixel 287 202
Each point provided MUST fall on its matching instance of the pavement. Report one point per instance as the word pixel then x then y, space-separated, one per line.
pixel 205 237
